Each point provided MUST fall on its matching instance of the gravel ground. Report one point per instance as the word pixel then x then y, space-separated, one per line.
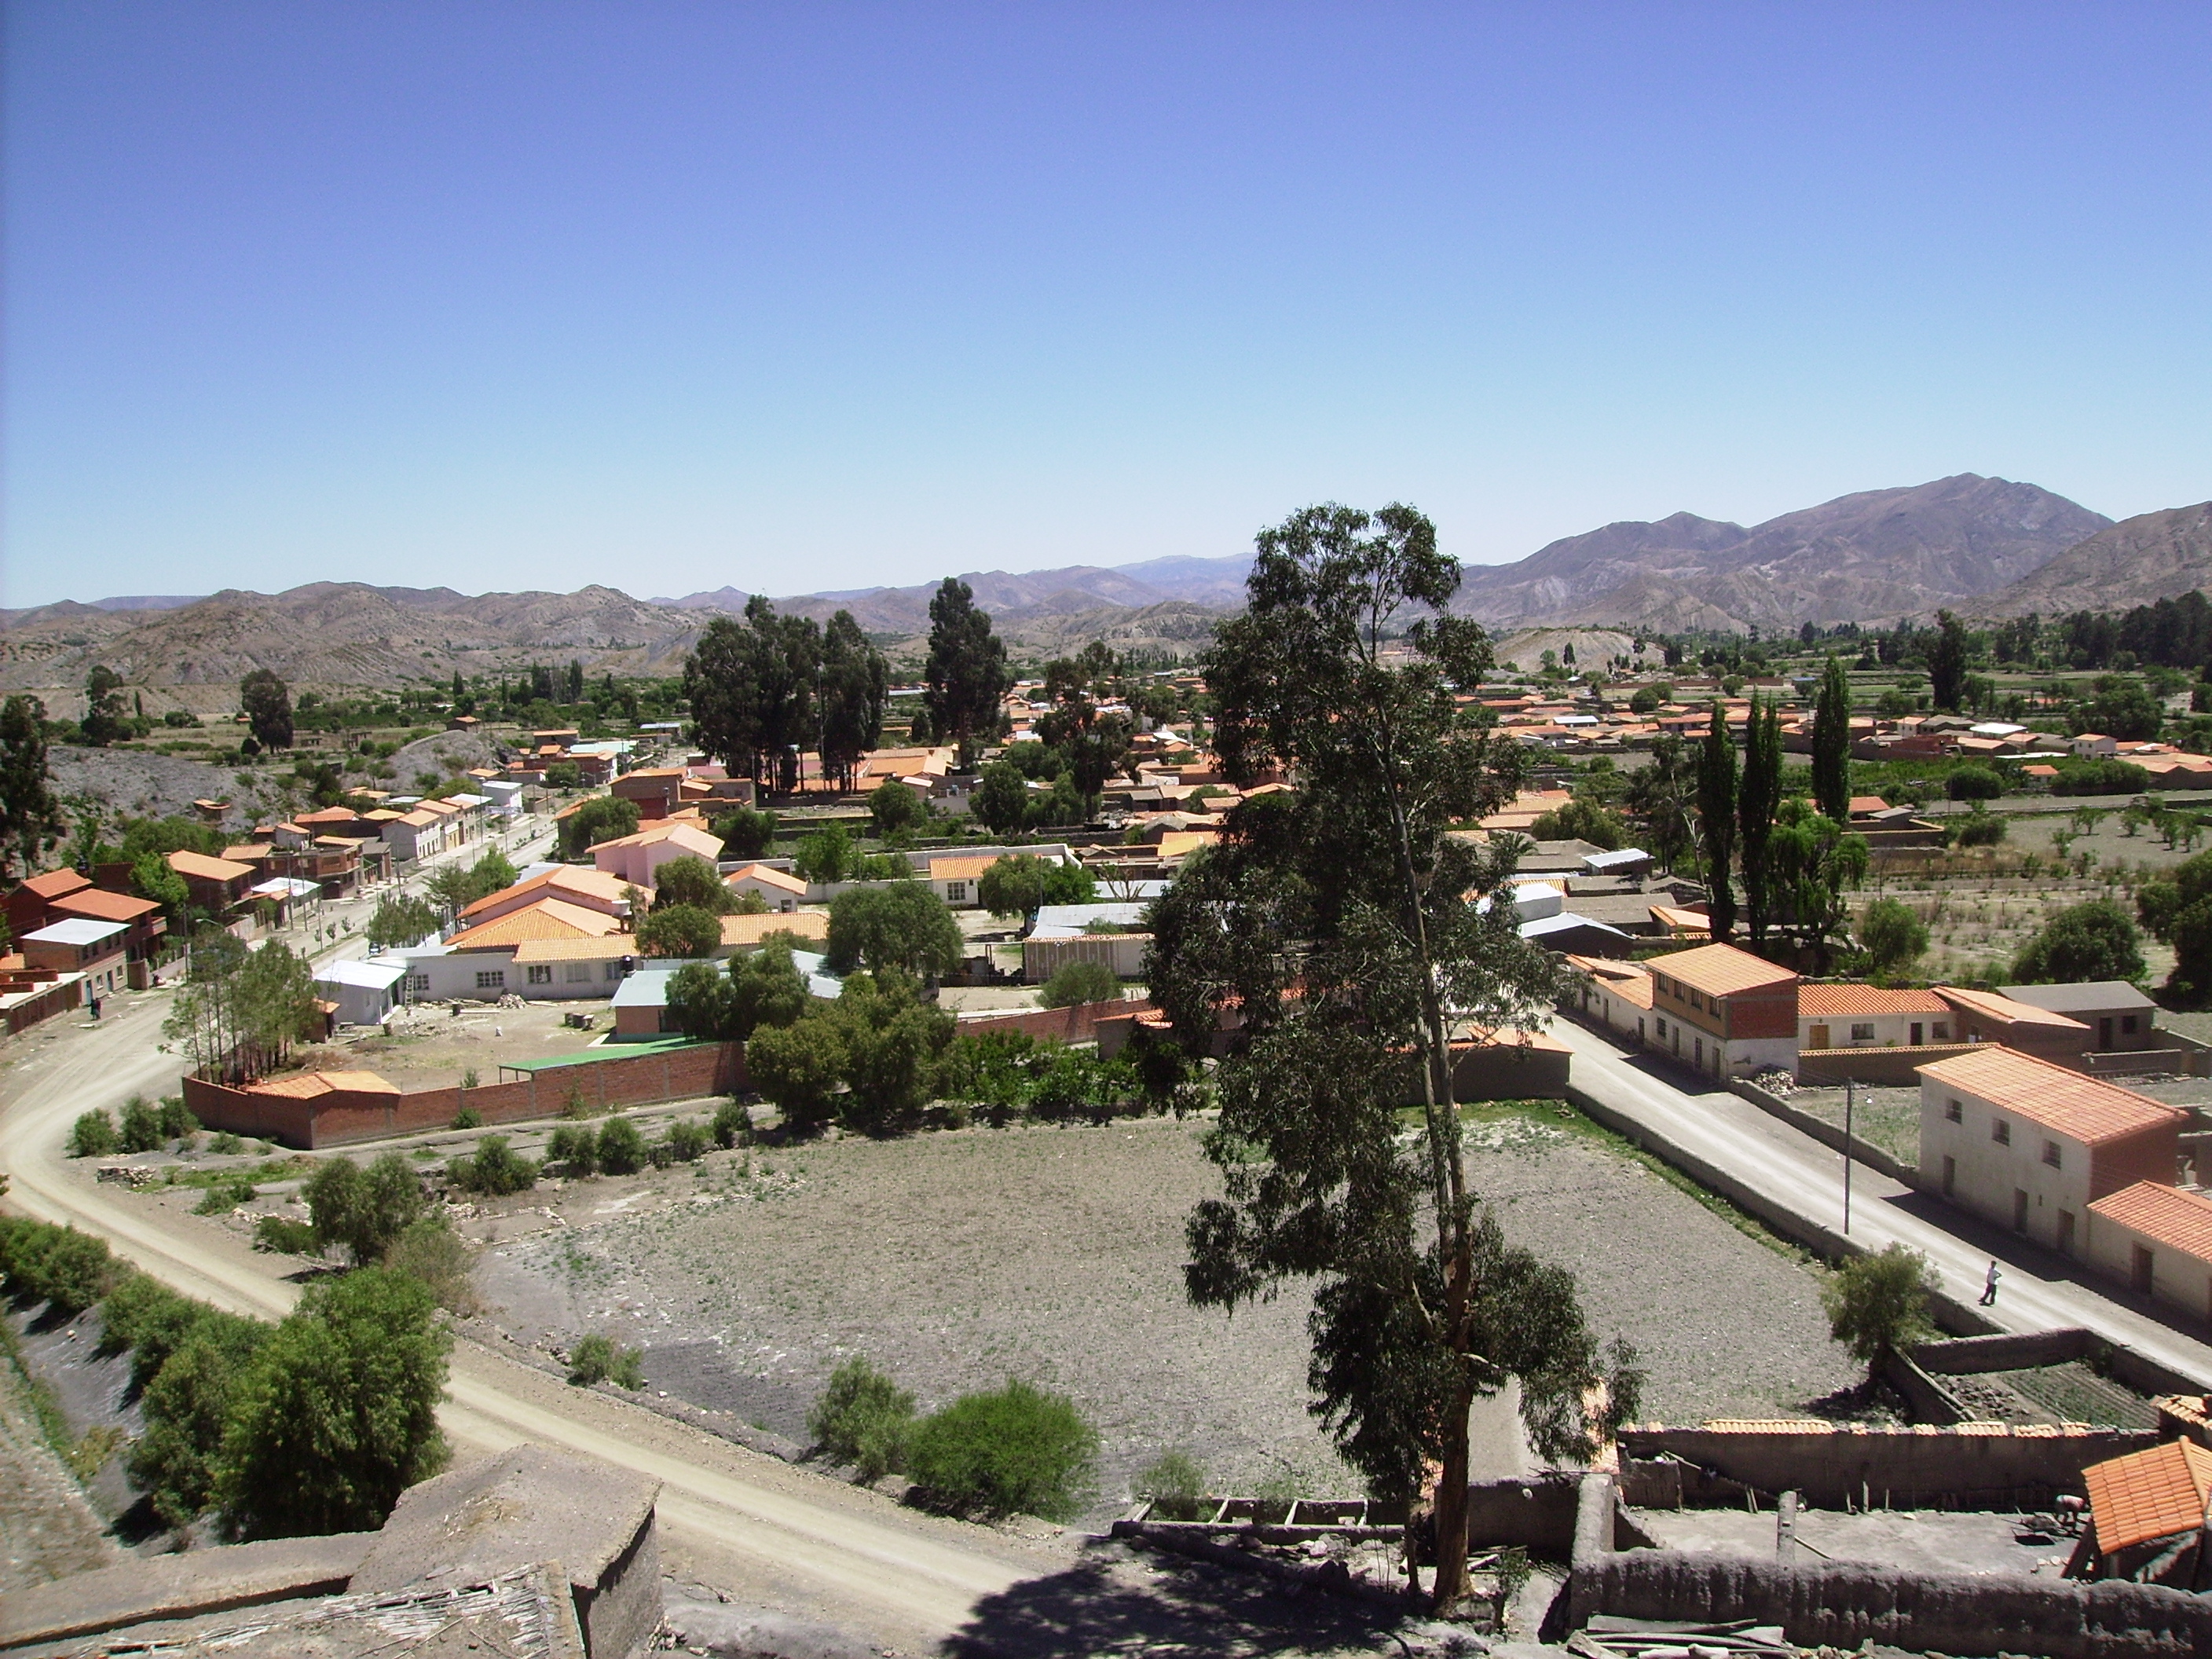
pixel 47 1529
pixel 141 784
pixel 434 1048
pixel 956 1260
pixel 1887 1118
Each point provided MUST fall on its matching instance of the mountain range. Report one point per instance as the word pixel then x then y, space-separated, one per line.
pixel 1986 547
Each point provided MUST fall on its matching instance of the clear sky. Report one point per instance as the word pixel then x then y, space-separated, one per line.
pixel 818 296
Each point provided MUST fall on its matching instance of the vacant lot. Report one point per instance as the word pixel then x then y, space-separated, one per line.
pixel 956 1260
pixel 431 1047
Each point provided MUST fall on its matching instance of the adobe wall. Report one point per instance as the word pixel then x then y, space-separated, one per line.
pixel 345 1116
pixel 1980 1466
pixel 1077 1024
pixel 1843 1605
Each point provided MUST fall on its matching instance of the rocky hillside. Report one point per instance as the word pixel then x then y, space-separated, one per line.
pixel 2153 555
pixel 1881 553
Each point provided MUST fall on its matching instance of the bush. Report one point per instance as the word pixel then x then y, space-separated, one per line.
pixel 93 1135
pixel 362 1211
pixel 681 930
pixel 495 1168
pixel 1175 1484
pixel 598 1360
pixel 433 1252
pixel 732 1125
pixel 468 1118
pixel 141 1126
pixel 225 1144
pixel 60 1266
pixel 186 1406
pixel 1973 783
pixel 176 1122
pixel 863 1419
pixel 1080 982
pixel 2083 943
pixel 895 806
pixel 281 1235
pixel 1016 1451
pixel 1978 829
pixel 2100 777
pixel 686 1141
pixel 1877 1305
pixel 622 1148
pixel 902 926
pixel 797 1068
pixel 745 834
pixel 576 1151
pixel 1892 936
pixel 337 1413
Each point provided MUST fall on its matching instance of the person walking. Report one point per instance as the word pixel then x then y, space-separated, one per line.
pixel 1990 1285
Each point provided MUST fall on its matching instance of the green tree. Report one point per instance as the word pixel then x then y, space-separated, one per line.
pixel 1661 794
pixel 2082 944
pixel 902 926
pixel 30 817
pixel 966 674
pixel 152 877
pixel 400 919
pixel 700 1003
pixel 1810 861
pixel 337 1413
pixel 1947 662
pixel 862 1418
pixel 1080 982
pixel 693 881
pixel 1001 802
pixel 895 808
pixel 603 818
pixel 1716 819
pixel 855 687
pixel 746 833
pixel 360 1210
pixel 103 722
pixel 797 1068
pixel 1015 1450
pixel 1831 743
pixel 187 1406
pixel 766 989
pixel 456 886
pixel 275 1003
pixel 681 930
pixel 1353 891
pixel 827 855
pixel 1021 884
pixel 267 704
pixel 1582 820
pixel 1758 798
pixel 1973 783
pixel 1877 1305
pixel 1892 935
pixel 890 1041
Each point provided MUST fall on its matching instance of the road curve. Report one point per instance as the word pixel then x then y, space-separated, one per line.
pixel 741 1520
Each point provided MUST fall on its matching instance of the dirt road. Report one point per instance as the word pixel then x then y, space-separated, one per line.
pixel 733 1519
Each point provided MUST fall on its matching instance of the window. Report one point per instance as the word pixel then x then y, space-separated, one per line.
pixel 1696 1000
pixel 420 982
pixel 1941 1030
pixel 2051 1153
pixel 2127 1024
pixel 492 979
pixel 956 892
pixel 614 970
pixel 2001 1132
pixel 1661 1028
pixel 541 974
pixel 576 972
pixel 1863 1030
pixel 1953 1112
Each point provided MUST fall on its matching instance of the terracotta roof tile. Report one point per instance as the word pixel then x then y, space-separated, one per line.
pixel 107 906
pixel 2166 1215
pixel 1989 1005
pixel 1820 1001
pixel 745 932
pixel 2084 1108
pixel 308 1085
pixel 959 869
pixel 208 869
pixel 548 918
pixel 1721 970
pixel 2148 1494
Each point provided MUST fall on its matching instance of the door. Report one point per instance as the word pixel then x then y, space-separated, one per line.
pixel 1950 1175
pixel 2139 1271
pixel 2105 1032
pixel 1818 1037
pixel 2066 1231
pixel 1916 1033
pixel 2019 1211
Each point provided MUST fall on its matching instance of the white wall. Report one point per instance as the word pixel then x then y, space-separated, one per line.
pixel 1985 1173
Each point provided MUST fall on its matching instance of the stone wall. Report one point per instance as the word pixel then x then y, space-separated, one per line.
pixel 345 1117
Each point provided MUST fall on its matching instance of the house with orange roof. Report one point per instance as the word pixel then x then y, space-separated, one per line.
pixel 541 918
pixel 2156 1238
pixel 30 906
pixel 144 926
pixel 778 889
pixel 2146 1517
pixel 215 885
pixel 1617 995
pixel 2030 1145
pixel 1991 1016
pixel 1724 1012
pixel 547 969
pixel 1868 1016
pixel 956 879
pixel 635 858
pixel 742 934
pixel 590 889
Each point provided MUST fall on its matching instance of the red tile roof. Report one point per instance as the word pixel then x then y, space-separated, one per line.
pixel 548 918
pixel 2083 1108
pixel 1989 1005
pixel 2148 1494
pixel 1720 970
pixel 208 869
pixel 107 906
pixel 308 1085
pixel 2165 1215
pixel 55 882
pixel 1819 1001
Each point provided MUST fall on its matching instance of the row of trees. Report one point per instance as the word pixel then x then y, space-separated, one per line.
pixel 238 1012
pixel 764 689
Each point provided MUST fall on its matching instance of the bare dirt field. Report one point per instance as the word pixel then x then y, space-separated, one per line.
pixel 1886 1118
pixel 1978 919
pixel 956 1260
pixel 436 1049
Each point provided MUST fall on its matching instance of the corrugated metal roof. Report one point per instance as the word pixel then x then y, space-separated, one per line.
pixel 2166 1215
pixel 2088 1110
pixel 2148 1494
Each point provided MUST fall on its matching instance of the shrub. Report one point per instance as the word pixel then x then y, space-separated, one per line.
pixel 494 1169
pixel 597 1358
pixel 1016 1451
pixel 362 1211
pixel 141 1126
pixel 224 1194
pixel 1175 1484
pixel 281 1235
pixel 732 1125
pixel 468 1118
pixel 798 1067
pixel 2100 777
pixel 2086 942
pixel 60 1266
pixel 93 1135
pixel 337 1413
pixel 746 833
pixel 622 1148
pixel 576 1151
pixel 1978 829
pixel 1892 936
pixel 225 1144
pixel 686 1141
pixel 862 1418
pixel 433 1252
pixel 1080 982
pixel 186 1405
pixel 177 1120
pixel 1973 783
pixel 1878 1305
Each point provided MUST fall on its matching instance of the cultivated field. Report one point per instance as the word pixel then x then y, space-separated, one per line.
pixel 956 1260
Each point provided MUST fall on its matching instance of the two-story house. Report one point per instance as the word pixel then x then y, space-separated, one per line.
pixel 2030 1145
pixel 1724 1012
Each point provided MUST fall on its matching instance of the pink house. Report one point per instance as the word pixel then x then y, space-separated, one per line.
pixel 635 858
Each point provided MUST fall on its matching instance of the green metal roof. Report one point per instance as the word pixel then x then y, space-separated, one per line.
pixel 609 1051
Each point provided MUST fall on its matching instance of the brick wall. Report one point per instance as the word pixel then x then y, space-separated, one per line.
pixel 2151 1154
pixel 1076 1025
pixel 345 1117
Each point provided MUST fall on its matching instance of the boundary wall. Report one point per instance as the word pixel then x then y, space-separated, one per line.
pixel 1826 1134
pixel 1079 1024
pixel 342 1117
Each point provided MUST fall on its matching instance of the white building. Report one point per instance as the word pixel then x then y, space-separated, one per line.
pixel 365 992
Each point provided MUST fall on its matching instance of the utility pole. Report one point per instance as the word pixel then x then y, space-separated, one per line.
pixel 1847 1156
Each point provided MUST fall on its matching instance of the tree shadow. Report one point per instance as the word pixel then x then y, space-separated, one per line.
pixel 1117 1598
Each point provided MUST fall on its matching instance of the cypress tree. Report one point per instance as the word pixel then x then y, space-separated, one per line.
pixel 1717 818
pixel 1832 744
pixel 1756 801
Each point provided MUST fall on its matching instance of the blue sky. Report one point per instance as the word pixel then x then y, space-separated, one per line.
pixel 793 298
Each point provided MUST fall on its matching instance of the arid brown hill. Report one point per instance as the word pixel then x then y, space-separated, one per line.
pixel 2153 555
